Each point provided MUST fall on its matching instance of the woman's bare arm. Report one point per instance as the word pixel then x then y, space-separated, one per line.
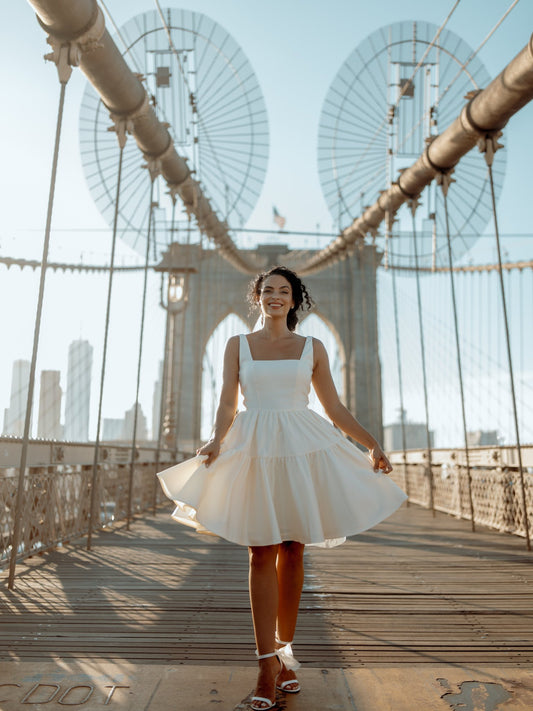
pixel 337 412
pixel 227 405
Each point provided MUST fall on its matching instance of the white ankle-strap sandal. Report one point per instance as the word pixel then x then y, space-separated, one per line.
pixel 289 661
pixel 263 699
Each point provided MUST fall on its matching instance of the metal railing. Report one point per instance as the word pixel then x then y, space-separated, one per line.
pixel 57 488
pixel 496 485
pixel 57 491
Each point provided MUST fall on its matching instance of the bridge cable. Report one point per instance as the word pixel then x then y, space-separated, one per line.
pixel 64 70
pixel 163 389
pixel 203 285
pixel 363 310
pixel 175 405
pixel 346 309
pixel 406 86
pixel 461 68
pixel 119 35
pixel 444 179
pixel 400 379
pixel 489 145
pixel 379 129
pixel 192 98
pixel 92 513
pixel 154 172
pixel 413 205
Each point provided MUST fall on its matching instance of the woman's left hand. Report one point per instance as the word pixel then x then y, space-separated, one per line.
pixel 379 460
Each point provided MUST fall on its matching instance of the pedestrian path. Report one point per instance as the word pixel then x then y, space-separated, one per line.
pixel 418 613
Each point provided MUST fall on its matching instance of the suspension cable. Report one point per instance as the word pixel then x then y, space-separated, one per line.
pixel 92 512
pixel 346 309
pixel 489 146
pixel 474 53
pixel 428 49
pixel 400 389
pixel 163 379
pixel 461 68
pixel 191 94
pixel 119 34
pixel 139 358
pixel 19 504
pixel 444 180
pixel 385 120
pixel 414 205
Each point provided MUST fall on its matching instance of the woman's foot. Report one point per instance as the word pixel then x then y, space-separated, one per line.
pixel 286 680
pixel 265 690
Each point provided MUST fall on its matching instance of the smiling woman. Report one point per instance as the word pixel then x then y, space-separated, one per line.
pixel 277 476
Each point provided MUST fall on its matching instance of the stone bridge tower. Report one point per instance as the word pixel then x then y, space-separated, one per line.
pixel 209 289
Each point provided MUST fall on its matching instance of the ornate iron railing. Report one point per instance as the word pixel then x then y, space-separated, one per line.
pixel 59 478
pixel 495 482
pixel 57 491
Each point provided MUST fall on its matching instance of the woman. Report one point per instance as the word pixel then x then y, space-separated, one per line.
pixel 278 476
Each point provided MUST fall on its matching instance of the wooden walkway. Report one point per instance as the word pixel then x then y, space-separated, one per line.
pixel 413 590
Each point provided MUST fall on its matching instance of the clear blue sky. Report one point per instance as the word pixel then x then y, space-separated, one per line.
pixel 296 48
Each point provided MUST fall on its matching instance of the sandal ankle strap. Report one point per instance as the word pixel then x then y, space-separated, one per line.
pixel 265 656
pixel 286 655
pixel 280 641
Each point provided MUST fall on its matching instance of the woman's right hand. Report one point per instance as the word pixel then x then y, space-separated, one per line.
pixel 210 449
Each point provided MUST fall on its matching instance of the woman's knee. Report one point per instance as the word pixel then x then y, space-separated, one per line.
pixel 263 556
pixel 292 551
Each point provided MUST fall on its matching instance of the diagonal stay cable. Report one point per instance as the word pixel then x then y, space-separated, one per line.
pixel 379 129
pixel 462 67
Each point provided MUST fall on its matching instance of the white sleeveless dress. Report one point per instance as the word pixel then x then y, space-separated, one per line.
pixel 284 473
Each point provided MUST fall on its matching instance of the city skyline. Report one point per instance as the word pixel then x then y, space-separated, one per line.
pixel 294 85
pixel 51 407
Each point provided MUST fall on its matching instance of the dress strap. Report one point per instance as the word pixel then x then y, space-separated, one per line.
pixel 244 349
pixel 308 349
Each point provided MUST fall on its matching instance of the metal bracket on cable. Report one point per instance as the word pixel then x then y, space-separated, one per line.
pixel 154 164
pixel 488 145
pixel 173 191
pixel 414 203
pixel 390 219
pixel 66 55
pixel 444 179
pixel 121 126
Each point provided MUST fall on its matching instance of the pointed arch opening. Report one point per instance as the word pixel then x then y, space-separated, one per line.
pixel 317 326
pixel 212 369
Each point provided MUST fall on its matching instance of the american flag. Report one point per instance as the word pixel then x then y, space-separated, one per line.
pixel 278 219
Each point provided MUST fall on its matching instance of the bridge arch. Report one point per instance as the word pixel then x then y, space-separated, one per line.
pixel 212 367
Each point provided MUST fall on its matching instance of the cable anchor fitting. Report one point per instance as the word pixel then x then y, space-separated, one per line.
pixel 413 204
pixel 444 179
pixel 121 126
pixel 488 145
pixel 66 55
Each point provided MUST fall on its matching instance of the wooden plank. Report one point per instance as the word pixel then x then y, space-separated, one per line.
pixel 416 589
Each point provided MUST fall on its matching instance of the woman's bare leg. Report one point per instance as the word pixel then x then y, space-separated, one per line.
pixel 264 601
pixel 290 573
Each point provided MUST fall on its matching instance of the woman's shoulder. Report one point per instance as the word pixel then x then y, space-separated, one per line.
pixel 232 344
pixel 319 349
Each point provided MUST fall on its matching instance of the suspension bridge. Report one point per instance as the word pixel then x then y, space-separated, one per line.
pixel 423 301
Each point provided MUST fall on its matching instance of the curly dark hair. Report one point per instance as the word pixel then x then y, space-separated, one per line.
pixel 301 297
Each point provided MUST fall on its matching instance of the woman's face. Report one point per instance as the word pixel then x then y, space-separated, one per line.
pixel 275 298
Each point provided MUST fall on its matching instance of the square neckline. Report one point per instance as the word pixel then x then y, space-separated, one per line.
pixel 274 360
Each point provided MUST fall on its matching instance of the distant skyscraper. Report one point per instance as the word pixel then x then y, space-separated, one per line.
pixel 49 423
pixel 142 432
pixel 415 436
pixel 156 403
pixel 113 428
pixel 78 398
pixel 482 438
pixel 15 414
